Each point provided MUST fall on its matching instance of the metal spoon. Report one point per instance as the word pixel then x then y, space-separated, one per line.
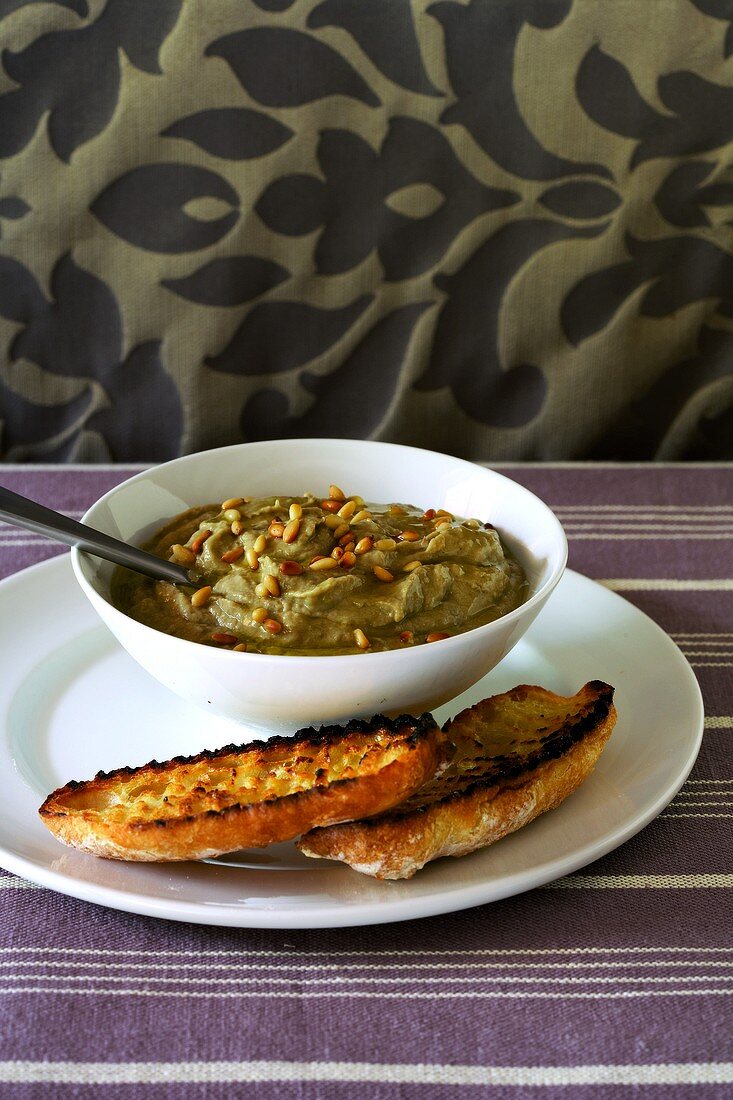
pixel 26 513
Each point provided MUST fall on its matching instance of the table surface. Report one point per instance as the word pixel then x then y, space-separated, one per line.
pixel 620 974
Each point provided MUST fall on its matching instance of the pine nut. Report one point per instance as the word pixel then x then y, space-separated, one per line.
pixel 201 596
pixel 348 537
pixel 223 639
pixel 259 615
pixel 335 493
pixel 385 544
pixel 429 514
pixel 276 529
pixel 232 514
pixel 361 639
pixel 348 510
pixel 396 510
pixel 273 626
pixel 409 536
pixel 291 530
pixel 332 521
pixel 272 584
pixel 410 566
pixel 233 502
pixel 361 516
pixel 348 559
pixel 198 543
pixel 259 544
pixel 182 554
pixel 237 527
pixel 442 522
pixel 364 545
pixel 253 559
pixel 442 512
pixel 337 553
pixel 291 568
pixel 295 511
pixel 330 505
pixel 382 574
pixel 241 648
pixel 474 523
pixel 406 637
pixel 323 563
pixel 341 530
pixel 233 555
pixel 349 546
pixel 261 590
pixel 437 637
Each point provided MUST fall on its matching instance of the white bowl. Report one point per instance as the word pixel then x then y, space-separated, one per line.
pixel 272 694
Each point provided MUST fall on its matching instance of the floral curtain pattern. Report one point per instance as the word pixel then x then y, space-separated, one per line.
pixel 498 228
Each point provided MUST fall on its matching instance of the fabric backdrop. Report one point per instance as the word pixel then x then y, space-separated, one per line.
pixel 501 228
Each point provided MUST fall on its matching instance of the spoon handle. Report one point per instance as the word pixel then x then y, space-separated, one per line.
pixel 26 513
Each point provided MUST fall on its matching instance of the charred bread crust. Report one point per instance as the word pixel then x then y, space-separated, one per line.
pixel 159 811
pixel 455 814
pixel 554 744
pixel 309 735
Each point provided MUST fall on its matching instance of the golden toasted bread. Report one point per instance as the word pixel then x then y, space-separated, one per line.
pixel 516 755
pixel 248 796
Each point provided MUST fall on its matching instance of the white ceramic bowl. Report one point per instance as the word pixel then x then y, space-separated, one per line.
pixel 279 694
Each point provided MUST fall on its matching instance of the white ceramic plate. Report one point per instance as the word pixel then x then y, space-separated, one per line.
pixel 73 702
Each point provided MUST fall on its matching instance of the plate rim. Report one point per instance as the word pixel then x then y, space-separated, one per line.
pixel 436 903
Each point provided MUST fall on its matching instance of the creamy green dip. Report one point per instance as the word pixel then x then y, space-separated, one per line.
pixel 396 576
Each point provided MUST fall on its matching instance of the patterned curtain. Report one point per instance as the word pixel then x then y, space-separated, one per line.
pixel 497 228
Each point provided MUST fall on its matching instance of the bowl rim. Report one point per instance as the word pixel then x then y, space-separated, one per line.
pixel 78 557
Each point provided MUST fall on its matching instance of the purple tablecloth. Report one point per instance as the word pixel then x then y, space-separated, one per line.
pixel 620 975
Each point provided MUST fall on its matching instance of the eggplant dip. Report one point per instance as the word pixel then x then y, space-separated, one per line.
pixel 308 576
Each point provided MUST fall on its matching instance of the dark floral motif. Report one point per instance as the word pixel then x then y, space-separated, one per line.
pixel 465 354
pixel 20 294
pixel 365 384
pixel 353 202
pixel 484 208
pixel 376 26
pixel 580 200
pixel 713 436
pixel 681 270
pixel 236 133
pixel 146 207
pixel 60 336
pixel 700 112
pixel 274 5
pixel 230 281
pixel 279 336
pixel 74 75
pixel 480 40
pixel 641 427
pixel 719 9
pixel 13 207
pixel 78 334
pixel 32 431
pixel 81 7
pixel 684 194
pixel 260 56
pixel 143 416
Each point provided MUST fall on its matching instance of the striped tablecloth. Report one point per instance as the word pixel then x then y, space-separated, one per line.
pixel 614 981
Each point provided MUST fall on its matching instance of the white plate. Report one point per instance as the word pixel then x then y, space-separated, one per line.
pixel 73 702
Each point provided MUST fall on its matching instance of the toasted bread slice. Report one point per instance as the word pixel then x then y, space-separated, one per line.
pixel 516 755
pixel 248 796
